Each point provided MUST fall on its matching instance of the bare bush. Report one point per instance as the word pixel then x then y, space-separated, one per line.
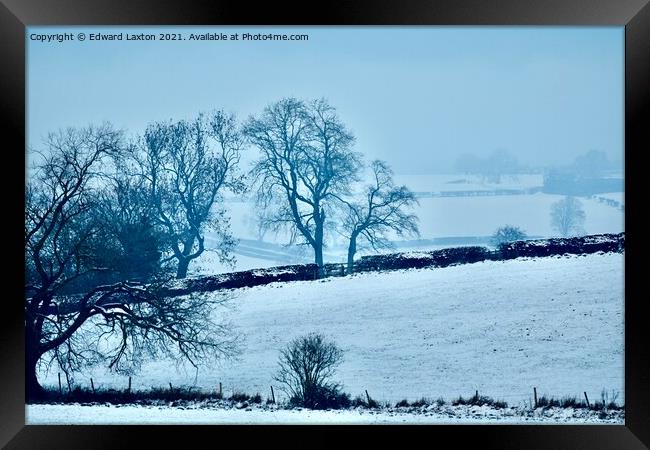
pixel 507 233
pixel 307 365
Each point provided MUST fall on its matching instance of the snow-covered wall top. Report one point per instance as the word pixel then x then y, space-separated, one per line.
pixel 396 261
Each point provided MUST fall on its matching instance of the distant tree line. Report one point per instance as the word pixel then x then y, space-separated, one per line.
pixel 493 168
pixel 588 174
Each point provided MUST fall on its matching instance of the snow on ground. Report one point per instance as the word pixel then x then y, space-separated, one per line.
pixel 499 327
pixel 438 217
pixel 161 415
pixel 616 196
pixel 481 216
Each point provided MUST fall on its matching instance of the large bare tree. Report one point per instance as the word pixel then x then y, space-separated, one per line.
pixel 384 208
pixel 188 165
pixel 306 161
pixel 568 216
pixel 66 318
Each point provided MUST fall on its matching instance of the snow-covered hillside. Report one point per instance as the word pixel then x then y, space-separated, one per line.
pixel 499 327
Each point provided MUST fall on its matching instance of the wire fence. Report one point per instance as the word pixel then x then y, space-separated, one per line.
pixel 275 392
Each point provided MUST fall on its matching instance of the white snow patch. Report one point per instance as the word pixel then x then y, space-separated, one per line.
pixel 161 415
pixel 499 327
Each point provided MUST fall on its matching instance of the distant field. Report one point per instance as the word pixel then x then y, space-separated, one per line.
pixel 463 182
pixel 440 217
pixel 499 327
pixel 480 216
pixel 618 196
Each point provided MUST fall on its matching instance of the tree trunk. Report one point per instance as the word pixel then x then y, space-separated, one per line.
pixel 183 264
pixel 318 254
pixel 318 243
pixel 352 249
pixel 33 390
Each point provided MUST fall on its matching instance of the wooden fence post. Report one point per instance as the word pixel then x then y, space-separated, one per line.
pixel 587 398
pixel 60 388
pixel 129 389
pixel 535 393
pixel 92 385
pixel 220 390
pixel 368 397
pixel 272 395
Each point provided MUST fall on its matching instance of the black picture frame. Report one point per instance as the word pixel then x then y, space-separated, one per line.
pixel 15 15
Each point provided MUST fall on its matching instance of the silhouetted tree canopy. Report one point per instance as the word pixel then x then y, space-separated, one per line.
pixel 306 159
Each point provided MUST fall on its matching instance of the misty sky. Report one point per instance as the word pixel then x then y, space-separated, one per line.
pixel 416 97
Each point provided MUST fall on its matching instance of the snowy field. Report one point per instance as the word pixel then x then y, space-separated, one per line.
pixel 474 216
pixel 481 216
pixel 464 182
pixel 618 196
pixel 499 327
pixel 197 415
pixel 439 217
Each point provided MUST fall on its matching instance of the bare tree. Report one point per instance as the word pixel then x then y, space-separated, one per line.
pixel 492 168
pixel 384 209
pixel 507 233
pixel 188 165
pixel 568 216
pixel 468 163
pixel 498 164
pixel 593 164
pixel 307 365
pixel 130 239
pixel 61 234
pixel 306 160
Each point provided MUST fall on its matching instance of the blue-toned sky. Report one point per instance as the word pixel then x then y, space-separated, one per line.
pixel 416 97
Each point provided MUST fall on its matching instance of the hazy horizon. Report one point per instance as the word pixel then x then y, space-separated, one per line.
pixel 417 97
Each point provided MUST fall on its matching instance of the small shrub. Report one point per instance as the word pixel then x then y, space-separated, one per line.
pixel 614 405
pixel 239 397
pixel 113 396
pixel 257 398
pixel 323 397
pixel 363 402
pixel 606 401
pixel 506 234
pixel 358 401
pixel 307 365
pixel 419 403
pixel 571 402
pixel 479 400
pixel 547 402
pixel 402 404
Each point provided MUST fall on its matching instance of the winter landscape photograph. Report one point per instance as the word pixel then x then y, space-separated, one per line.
pixel 324 225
